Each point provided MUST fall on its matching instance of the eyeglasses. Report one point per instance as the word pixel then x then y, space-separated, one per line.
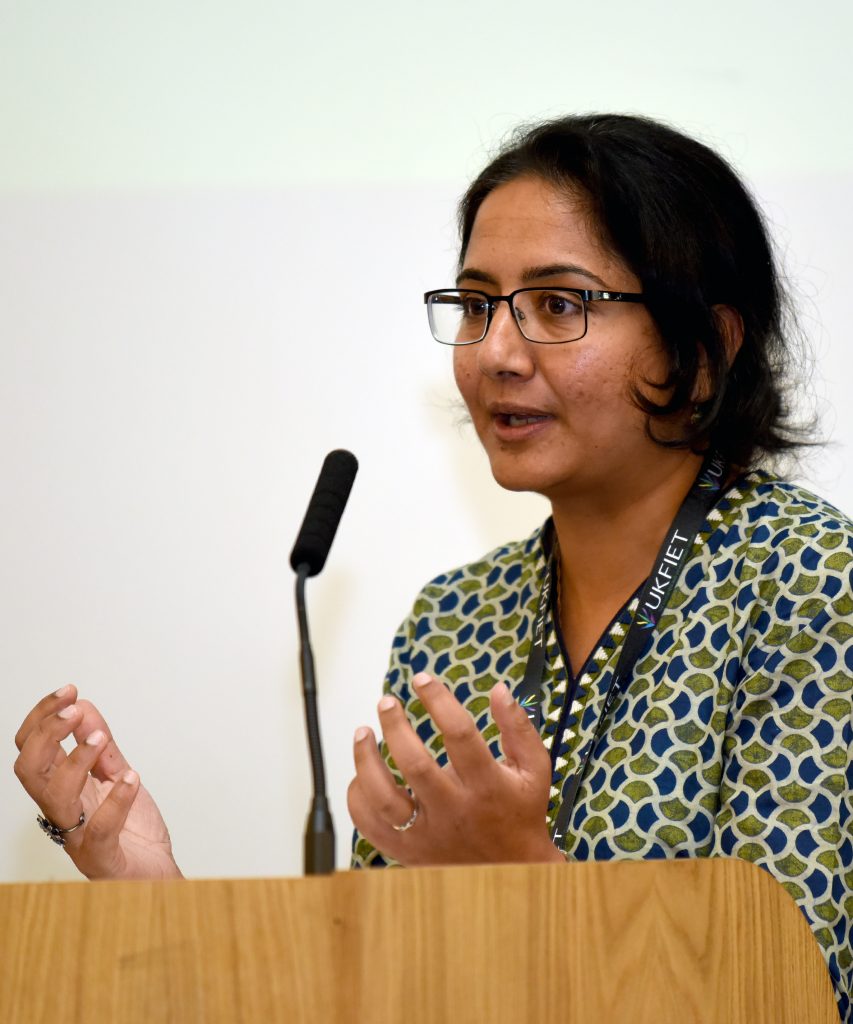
pixel 546 316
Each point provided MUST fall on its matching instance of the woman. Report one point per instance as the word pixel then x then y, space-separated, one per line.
pixel 665 668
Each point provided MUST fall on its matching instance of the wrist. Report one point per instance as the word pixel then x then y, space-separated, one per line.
pixel 555 854
pixel 545 852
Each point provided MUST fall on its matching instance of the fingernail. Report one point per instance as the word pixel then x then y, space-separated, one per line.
pixel 503 694
pixel 129 777
pixel 63 691
pixel 387 703
pixel 361 733
pixel 68 712
pixel 421 680
pixel 94 738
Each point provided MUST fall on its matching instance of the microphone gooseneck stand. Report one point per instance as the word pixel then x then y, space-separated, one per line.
pixel 307 559
pixel 319 830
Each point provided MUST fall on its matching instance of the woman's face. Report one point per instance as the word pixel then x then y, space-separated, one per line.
pixel 557 419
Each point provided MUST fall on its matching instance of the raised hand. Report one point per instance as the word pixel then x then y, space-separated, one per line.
pixel 124 835
pixel 475 810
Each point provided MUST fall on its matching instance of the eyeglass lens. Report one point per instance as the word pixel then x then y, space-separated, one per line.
pixel 543 314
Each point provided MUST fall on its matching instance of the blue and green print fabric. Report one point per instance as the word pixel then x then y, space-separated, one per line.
pixel 733 737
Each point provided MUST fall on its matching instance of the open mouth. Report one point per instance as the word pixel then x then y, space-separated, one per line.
pixel 519 419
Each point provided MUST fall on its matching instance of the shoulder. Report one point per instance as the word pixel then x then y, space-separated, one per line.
pixel 782 558
pixel 464 608
pixel 773 505
pixel 503 566
pixel 502 581
pixel 771 523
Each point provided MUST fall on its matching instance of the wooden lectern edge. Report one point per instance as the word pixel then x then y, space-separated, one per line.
pixel 361 945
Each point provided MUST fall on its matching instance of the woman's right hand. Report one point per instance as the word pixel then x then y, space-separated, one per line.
pixel 124 835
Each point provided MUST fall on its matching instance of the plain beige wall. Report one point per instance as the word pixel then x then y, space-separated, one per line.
pixel 215 226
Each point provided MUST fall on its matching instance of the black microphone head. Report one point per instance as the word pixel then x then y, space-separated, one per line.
pixel 324 511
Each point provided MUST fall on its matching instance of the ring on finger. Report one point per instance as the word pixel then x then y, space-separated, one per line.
pixel 408 824
pixel 56 833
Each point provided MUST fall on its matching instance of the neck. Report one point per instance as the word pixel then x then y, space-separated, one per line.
pixel 608 540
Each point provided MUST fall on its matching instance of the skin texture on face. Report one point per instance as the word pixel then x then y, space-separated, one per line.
pixel 585 440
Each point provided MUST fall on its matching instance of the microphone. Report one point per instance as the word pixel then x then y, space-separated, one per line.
pixel 307 559
pixel 324 512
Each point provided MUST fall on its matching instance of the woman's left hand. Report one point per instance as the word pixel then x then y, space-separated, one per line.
pixel 476 809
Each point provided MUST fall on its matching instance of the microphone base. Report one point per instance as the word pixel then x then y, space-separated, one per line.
pixel 319 839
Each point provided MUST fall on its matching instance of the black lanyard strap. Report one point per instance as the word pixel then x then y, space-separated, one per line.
pixel 529 693
pixel 654 597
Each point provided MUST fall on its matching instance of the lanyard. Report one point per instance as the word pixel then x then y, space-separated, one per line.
pixel 654 597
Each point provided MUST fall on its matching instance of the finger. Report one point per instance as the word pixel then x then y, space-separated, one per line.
pixel 61 798
pixel 465 746
pixel 48 705
pixel 398 845
pixel 381 792
pixel 363 815
pixel 522 744
pixel 417 766
pixel 112 763
pixel 100 840
pixel 41 753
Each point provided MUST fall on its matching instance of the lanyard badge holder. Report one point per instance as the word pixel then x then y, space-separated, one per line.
pixel 654 597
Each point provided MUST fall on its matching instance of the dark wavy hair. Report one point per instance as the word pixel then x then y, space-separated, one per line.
pixel 682 220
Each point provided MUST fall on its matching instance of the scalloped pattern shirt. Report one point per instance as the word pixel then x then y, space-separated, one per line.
pixel 733 737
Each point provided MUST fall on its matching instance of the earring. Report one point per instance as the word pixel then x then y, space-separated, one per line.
pixel 696 415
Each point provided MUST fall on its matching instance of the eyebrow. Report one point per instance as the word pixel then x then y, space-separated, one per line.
pixel 531 273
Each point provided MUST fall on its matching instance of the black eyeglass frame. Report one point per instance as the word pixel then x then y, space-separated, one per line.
pixel 585 294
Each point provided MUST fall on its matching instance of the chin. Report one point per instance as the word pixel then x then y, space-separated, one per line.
pixel 522 478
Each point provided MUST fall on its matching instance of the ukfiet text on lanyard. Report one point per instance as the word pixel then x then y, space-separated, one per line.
pixel 654 597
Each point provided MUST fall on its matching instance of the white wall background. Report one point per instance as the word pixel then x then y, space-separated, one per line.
pixel 216 221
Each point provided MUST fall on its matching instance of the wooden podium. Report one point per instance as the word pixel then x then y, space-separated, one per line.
pixel 675 941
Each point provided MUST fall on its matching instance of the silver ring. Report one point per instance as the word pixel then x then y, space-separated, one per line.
pixel 56 833
pixel 405 827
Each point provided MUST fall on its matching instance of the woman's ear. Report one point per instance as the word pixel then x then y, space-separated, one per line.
pixel 730 323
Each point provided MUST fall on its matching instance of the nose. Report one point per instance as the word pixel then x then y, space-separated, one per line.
pixel 504 351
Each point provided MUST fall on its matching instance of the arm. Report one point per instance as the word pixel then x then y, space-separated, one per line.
pixel 787 787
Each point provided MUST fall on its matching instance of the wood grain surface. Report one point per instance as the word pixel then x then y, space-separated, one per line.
pixel 677 941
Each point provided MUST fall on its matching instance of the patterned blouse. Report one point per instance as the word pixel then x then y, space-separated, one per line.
pixel 733 737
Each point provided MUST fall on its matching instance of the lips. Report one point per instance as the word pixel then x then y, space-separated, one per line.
pixel 516 415
pixel 520 419
pixel 515 422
